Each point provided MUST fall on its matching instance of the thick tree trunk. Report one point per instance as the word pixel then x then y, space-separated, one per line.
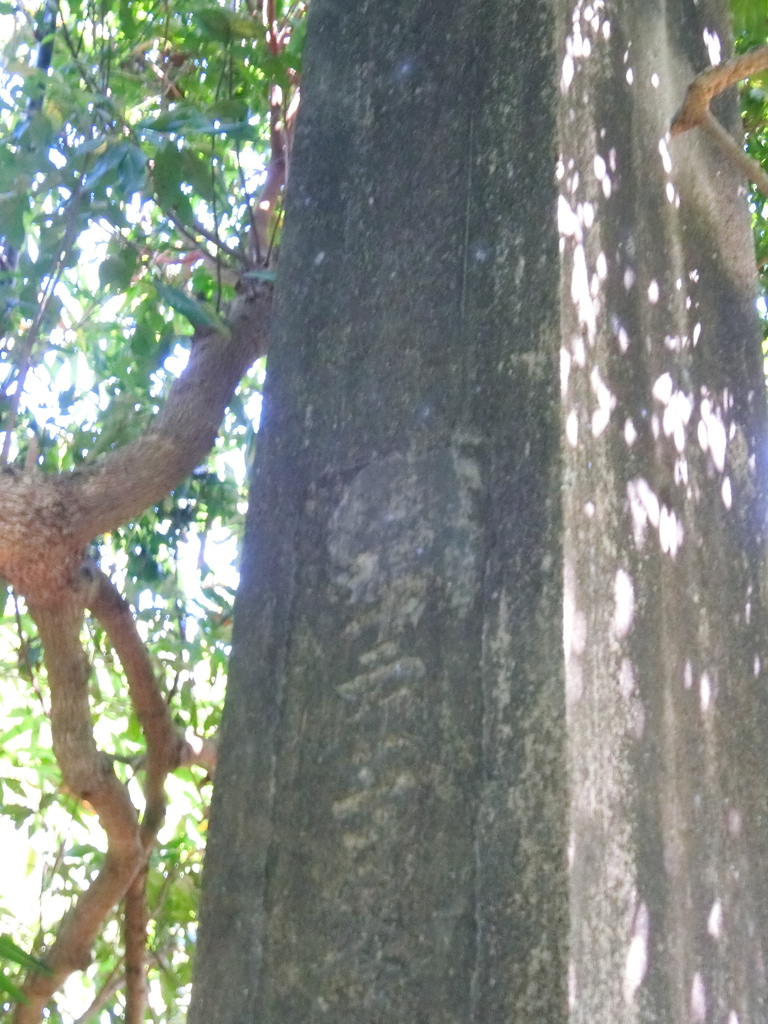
pixel 389 836
pixel 388 840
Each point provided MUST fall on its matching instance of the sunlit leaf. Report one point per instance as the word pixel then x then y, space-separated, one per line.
pixel 10 951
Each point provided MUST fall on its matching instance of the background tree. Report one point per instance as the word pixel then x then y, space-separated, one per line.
pixel 142 165
pixel 467 444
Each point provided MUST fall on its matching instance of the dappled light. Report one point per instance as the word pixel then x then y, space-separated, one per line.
pixel 636 963
pixel 624 597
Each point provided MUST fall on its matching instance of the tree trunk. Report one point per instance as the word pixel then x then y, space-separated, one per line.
pixel 389 836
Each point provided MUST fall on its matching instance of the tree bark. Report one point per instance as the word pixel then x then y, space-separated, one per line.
pixel 491 485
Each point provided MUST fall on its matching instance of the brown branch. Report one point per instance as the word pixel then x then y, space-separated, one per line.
pixel 113 984
pixel 281 117
pixel 712 82
pixel 199 750
pixel 261 217
pixel 164 739
pixel 165 744
pixel 125 482
pixel 135 932
pixel 269 18
pixel 749 167
pixel 46 520
pixel 89 774
pixel 695 111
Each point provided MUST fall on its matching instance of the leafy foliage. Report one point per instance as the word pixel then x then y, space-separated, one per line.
pixel 134 141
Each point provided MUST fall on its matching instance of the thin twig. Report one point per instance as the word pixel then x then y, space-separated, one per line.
pixel 208 235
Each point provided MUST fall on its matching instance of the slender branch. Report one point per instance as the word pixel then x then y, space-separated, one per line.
pixel 164 743
pixel 114 614
pixel 210 236
pixel 89 774
pixel 113 984
pixel 135 932
pixel 749 167
pixel 281 126
pixel 199 750
pixel 167 748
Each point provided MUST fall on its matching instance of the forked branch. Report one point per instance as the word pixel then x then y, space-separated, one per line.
pixel 90 775
pixel 695 111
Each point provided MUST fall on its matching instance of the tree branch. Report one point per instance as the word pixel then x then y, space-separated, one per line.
pixel 750 168
pixel 89 774
pixel 712 82
pixel 46 520
pixel 695 111
pixel 135 935
pixel 125 482
pixel 165 744
pixel 164 739
pixel 113 984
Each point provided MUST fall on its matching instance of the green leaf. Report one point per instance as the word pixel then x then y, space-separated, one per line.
pixel 108 161
pixel 11 990
pixel 132 170
pixel 199 314
pixel 197 172
pixel 36 131
pixel 127 19
pixel 231 111
pixel 177 119
pixel 750 18
pixel 10 951
pixel 12 210
pixel 166 174
pixel 117 271
pixel 215 23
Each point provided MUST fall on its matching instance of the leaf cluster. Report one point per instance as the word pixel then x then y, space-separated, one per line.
pixel 134 140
